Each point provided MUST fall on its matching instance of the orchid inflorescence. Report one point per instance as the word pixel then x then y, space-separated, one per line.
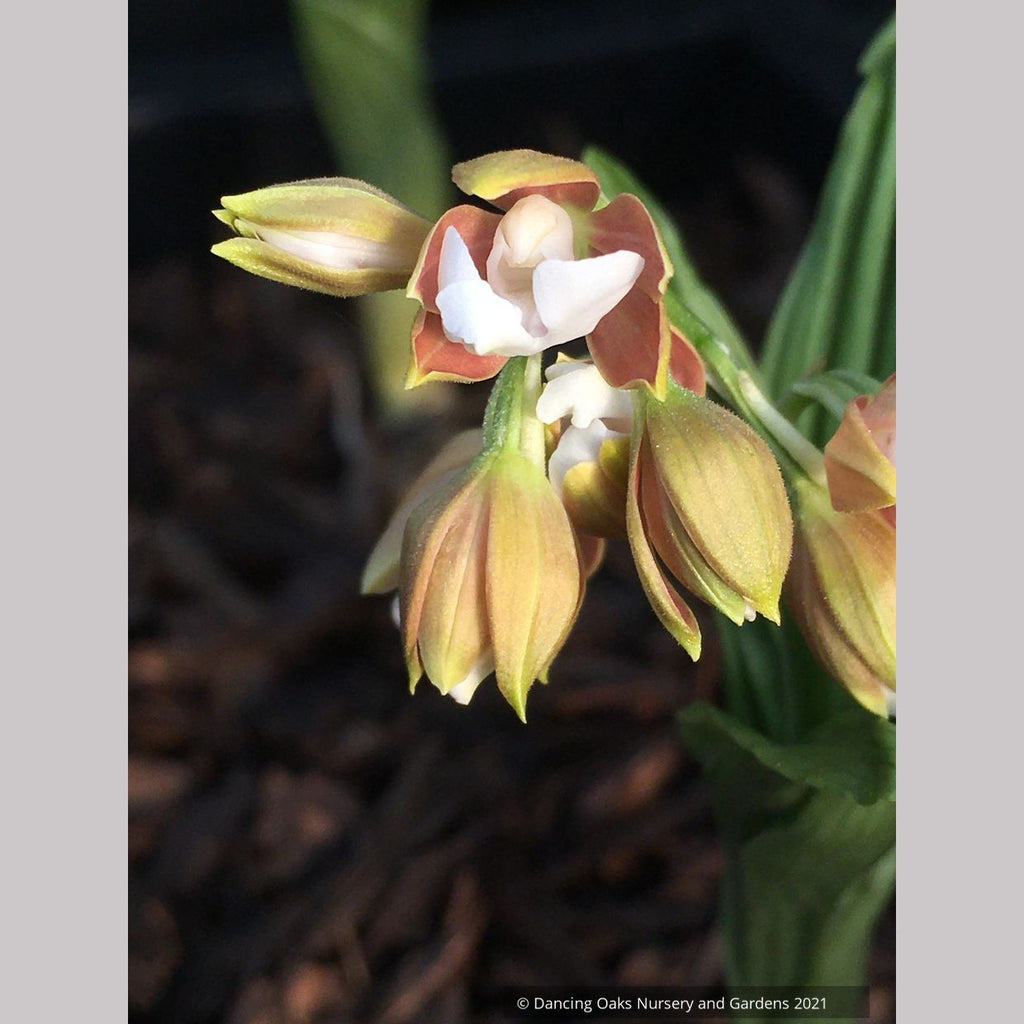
pixel 491 550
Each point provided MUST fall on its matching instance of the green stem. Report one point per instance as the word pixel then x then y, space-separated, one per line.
pixel 729 375
pixel 511 417
pixel 785 435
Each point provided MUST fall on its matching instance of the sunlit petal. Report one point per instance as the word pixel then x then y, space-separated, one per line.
pixel 572 296
pixel 577 389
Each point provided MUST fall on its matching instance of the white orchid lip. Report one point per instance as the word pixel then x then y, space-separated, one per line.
pixel 535 295
pixel 576 389
pixel 462 692
pixel 596 411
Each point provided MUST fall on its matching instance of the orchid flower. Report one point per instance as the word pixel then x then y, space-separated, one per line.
pixel 554 267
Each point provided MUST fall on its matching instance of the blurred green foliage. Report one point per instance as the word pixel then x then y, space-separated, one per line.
pixel 365 62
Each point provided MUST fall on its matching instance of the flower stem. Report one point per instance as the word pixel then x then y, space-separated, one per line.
pixel 796 446
pixel 732 378
pixel 511 417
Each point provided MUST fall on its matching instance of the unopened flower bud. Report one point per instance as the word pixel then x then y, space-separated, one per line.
pixel 706 501
pixel 860 460
pixel 491 579
pixel 842 589
pixel 333 235
pixel 382 567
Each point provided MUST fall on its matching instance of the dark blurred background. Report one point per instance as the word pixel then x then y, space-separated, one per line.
pixel 308 843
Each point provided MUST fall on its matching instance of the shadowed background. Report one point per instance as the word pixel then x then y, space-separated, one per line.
pixel 307 842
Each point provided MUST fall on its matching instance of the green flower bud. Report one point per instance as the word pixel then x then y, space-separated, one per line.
pixel 842 589
pixel 491 579
pixel 707 503
pixel 333 235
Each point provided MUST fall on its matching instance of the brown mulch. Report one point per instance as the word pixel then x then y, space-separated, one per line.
pixel 307 842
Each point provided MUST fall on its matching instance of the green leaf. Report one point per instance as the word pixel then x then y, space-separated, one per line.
pixel 800 900
pixel 365 62
pixel 838 309
pixel 809 833
pixel 853 753
pixel 831 391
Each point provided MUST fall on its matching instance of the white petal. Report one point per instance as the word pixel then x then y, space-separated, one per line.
pixel 535 229
pixel 572 296
pixel 575 446
pixel 514 284
pixel 463 692
pixel 456 263
pixel 331 249
pixel 578 389
pixel 486 324
pixel 470 311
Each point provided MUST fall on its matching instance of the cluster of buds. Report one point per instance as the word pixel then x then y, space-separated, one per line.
pixel 490 552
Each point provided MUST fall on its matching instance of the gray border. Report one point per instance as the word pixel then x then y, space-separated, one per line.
pixel 64 443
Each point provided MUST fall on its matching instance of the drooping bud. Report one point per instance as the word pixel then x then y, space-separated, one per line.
pixel 381 573
pixel 333 235
pixel 491 578
pixel 492 573
pixel 842 589
pixel 860 460
pixel 706 502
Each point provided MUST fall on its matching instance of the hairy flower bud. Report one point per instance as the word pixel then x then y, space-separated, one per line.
pixel 333 235
pixel 382 567
pixel 860 460
pixel 491 579
pixel 707 503
pixel 842 590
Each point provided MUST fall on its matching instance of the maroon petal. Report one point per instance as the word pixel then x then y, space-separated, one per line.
pixel 625 224
pixel 477 229
pixel 631 345
pixel 435 357
pixel 686 367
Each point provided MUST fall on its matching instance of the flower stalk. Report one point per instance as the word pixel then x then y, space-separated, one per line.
pixel 510 420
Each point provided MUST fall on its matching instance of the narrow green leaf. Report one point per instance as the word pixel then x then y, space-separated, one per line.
pixel 831 391
pixel 838 309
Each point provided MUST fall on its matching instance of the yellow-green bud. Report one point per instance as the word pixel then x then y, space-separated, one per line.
pixel 333 235
pixel 491 579
pixel 707 502
pixel 382 567
pixel 842 590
